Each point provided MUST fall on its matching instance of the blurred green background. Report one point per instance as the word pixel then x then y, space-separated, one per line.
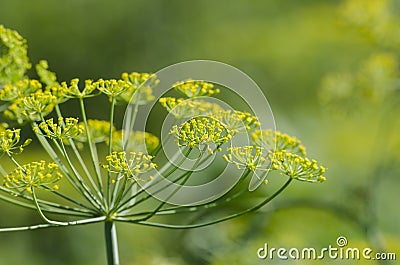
pixel 314 61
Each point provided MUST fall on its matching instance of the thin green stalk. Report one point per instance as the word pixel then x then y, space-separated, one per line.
pixel 40 226
pixel 118 197
pixel 86 189
pixel 79 158
pixel 175 191
pixel 131 119
pixel 122 207
pixel 110 233
pixel 152 213
pixel 74 201
pixel 50 151
pixel 174 167
pixel 45 208
pixel 88 210
pixel 180 209
pixel 82 189
pixel 183 209
pixel 15 161
pixel 42 214
pixel 112 109
pixel 95 160
pixel 255 208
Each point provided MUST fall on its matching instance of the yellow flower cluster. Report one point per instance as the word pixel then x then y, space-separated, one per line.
pixel 297 167
pixel 236 121
pixel 63 129
pixel 39 103
pixel 112 87
pixel 250 157
pixel 99 131
pixel 47 77
pixel 130 165
pixel 201 131
pixel 40 174
pixel 20 89
pixel 185 108
pixel 138 79
pixel 9 141
pixel 257 158
pixel 138 141
pixel 13 56
pixel 141 90
pixel 277 141
pixel 72 90
pixel 193 88
pixel 31 108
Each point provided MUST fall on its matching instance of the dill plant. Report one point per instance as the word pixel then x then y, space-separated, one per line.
pixel 97 171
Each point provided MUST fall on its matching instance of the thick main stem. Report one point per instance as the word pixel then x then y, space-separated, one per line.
pixel 110 232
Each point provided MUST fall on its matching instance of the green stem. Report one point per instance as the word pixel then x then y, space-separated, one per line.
pixel 95 160
pixel 65 197
pixel 15 162
pixel 252 209
pixel 89 211
pixel 86 191
pixel 39 226
pixel 125 205
pixel 79 158
pixel 110 233
pixel 50 151
pixel 174 191
pixel 180 209
pixel 119 195
pixel 42 214
pixel 46 208
pixel 131 123
pixel 110 150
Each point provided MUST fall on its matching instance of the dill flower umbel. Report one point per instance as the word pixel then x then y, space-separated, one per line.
pixel 194 88
pixel 72 90
pixel 10 141
pixel 237 121
pixel 63 129
pixel 112 87
pixel 249 157
pixel 31 108
pixel 141 90
pixel 277 141
pixel 201 131
pixel 20 89
pixel 40 175
pixel 130 164
pixel 297 167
